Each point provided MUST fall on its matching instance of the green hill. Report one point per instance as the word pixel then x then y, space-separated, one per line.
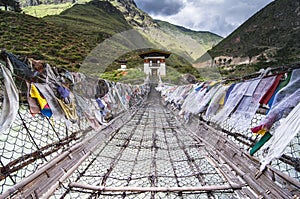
pixel 63 40
pixel 179 40
pixel 95 35
pixel 96 20
pixel 33 37
pixel 188 43
pixel 184 42
pixel 272 33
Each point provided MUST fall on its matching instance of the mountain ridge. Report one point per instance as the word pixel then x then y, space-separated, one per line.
pixel 189 48
pixel 269 37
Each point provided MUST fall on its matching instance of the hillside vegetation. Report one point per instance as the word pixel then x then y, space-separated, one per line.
pixel 179 40
pixel 96 20
pixel 29 3
pixel 63 40
pixel 74 38
pixel 269 38
pixel 273 33
pixel 33 37
pixel 183 42
pixel 46 9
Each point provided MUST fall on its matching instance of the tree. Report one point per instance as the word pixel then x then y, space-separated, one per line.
pixel 12 4
pixel 4 3
pixel 16 6
pixel 34 2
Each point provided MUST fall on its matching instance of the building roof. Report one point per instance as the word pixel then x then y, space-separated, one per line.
pixel 122 61
pixel 155 53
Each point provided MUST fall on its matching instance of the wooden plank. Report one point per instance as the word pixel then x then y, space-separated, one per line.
pixel 249 193
pixel 243 165
pixel 154 189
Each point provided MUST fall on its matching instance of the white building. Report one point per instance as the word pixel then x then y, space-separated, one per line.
pixel 155 62
pixel 123 65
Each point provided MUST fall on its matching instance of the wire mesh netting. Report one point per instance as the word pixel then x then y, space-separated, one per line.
pixel 177 96
pixel 30 143
pixel 152 150
pixel 288 163
pixel 153 155
pixel 33 140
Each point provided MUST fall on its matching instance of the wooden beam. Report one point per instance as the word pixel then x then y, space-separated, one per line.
pixel 154 189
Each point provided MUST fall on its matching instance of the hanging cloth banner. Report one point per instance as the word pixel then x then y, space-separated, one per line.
pixel 202 106
pixel 283 135
pixel 45 108
pixel 268 95
pixel 216 101
pixel 34 107
pixel 241 118
pixel 69 110
pixel 236 95
pixel 10 105
pixel 285 100
pixel 281 85
pixel 49 95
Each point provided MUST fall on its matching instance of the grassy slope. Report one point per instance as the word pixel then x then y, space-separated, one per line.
pixel 25 3
pixel 63 40
pixel 29 36
pixel 99 21
pixel 207 39
pixel 94 20
pixel 186 43
pixel 181 41
pixel 44 10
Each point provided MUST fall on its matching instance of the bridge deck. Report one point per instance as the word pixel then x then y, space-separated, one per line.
pixel 153 155
pixel 152 150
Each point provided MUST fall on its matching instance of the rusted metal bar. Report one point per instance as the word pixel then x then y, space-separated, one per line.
pixel 32 177
pixel 49 122
pixel 4 173
pixel 285 177
pixel 246 177
pixel 294 162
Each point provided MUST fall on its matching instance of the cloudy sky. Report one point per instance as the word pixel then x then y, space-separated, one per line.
pixel 217 16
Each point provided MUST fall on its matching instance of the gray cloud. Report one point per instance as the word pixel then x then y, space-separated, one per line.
pixel 217 16
pixel 160 7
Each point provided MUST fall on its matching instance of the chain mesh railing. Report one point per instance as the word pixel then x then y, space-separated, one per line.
pixel 152 150
pixel 30 143
pixel 288 163
pixel 34 140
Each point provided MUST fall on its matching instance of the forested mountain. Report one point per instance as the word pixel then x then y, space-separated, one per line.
pixel 268 38
pixel 186 43
pixel 64 40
